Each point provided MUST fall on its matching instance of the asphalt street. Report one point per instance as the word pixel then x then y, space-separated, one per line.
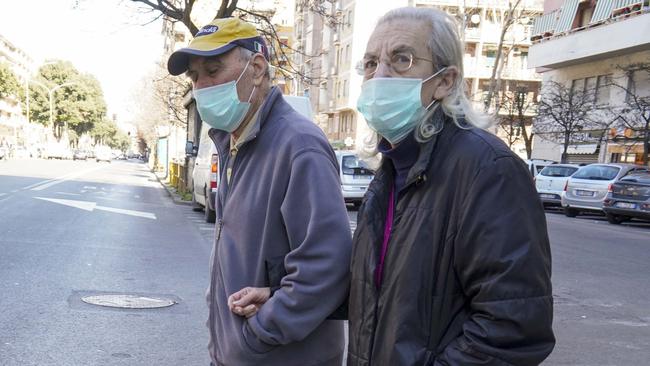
pixel 74 229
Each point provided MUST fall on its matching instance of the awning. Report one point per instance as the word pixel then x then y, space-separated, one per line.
pixel 603 11
pixel 545 24
pixel 567 15
pixel 582 149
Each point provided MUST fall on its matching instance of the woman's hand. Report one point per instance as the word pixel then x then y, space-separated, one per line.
pixel 247 301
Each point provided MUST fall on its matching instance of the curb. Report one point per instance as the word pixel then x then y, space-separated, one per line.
pixel 176 198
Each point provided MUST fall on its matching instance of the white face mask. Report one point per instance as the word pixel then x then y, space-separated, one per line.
pixel 393 106
pixel 219 106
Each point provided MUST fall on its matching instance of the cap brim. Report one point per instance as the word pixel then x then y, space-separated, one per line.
pixel 179 60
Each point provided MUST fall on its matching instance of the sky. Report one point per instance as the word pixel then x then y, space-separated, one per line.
pixel 106 38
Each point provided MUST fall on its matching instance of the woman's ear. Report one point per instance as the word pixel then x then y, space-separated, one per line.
pixel 446 83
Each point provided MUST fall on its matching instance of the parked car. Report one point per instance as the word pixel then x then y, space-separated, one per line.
pixel 355 176
pixel 536 165
pixel 103 154
pixel 551 180
pixel 587 188
pixel 58 151
pixel 629 198
pixel 205 175
pixel 80 155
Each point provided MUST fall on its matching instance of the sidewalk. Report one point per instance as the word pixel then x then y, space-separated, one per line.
pixel 171 191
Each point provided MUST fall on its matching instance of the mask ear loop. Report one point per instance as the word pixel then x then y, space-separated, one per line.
pixel 429 78
pixel 242 74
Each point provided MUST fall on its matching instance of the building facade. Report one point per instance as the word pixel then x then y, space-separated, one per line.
pixel 602 48
pixel 14 129
pixel 332 37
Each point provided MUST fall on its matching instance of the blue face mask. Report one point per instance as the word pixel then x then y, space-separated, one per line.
pixel 393 106
pixel 219 106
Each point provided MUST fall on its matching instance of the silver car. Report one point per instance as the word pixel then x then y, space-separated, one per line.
pixel 550 182
pixel 355 176
pixel 587 188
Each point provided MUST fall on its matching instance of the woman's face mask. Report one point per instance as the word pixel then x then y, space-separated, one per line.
pixel 393 106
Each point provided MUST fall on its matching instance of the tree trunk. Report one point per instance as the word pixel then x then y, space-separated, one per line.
pixel 567 139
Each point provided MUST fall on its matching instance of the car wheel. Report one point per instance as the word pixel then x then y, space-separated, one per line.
pixel 196 207
pixel 570 212
pixel 210 214
pixel 615 219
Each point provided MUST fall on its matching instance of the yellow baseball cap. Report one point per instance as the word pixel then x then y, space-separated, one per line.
pixel 220 36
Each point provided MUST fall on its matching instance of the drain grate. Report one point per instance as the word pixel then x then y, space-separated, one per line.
pixel 126 301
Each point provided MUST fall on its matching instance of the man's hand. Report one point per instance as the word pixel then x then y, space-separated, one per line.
pixel 247 301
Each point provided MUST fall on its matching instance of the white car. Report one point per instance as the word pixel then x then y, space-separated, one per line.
pixel 536 165
pixel 355 176
pixel 551 180
pixel 587 188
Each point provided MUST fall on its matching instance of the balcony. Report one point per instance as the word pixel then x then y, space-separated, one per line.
pixel 558 45
pixel 481 68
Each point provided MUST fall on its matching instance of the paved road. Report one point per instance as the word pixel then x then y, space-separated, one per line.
pixel 55 247
pixel 70 229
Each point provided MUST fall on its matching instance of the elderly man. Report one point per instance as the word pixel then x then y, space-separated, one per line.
pixel 451 259
pixel 280 262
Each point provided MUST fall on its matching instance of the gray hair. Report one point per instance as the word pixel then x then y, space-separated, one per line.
pixel 446 49
pixel 247 54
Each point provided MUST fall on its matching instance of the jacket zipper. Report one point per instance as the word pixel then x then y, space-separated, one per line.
pixel 379 291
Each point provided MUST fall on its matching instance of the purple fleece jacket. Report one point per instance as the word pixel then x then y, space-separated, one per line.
pixel 281 221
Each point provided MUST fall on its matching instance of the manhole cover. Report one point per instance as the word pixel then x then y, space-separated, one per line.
pixel 128 301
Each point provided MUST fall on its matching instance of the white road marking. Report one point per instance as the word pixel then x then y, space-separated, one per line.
pixel 49 183
pixel 91 206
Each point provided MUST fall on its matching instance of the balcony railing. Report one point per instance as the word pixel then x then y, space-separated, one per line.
pixel 560 21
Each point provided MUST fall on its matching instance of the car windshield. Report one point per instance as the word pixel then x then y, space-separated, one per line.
pixel 558 171
pixel 352 165
pixel 597 172
pixel 643 178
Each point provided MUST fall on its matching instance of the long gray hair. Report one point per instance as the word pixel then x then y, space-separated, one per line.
pixel 446 49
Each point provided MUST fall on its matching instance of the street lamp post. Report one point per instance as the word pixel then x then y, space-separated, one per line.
pixel 51 92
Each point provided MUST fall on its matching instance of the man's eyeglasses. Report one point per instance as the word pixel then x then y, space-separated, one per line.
pixel 399 63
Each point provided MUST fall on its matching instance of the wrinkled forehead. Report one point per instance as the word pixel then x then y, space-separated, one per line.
pixel 397 36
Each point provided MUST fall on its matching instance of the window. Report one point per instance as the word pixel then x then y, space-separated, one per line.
pixel 352 165
pixel 558 171
pixel 345 88
pixel 639 83
pixel 590 87
pixel 602 88
pixel 347 53
pixel 597 172
pixel 577 85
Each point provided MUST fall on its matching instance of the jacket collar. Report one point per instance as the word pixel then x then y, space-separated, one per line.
pixel 221 139
pixel 417 173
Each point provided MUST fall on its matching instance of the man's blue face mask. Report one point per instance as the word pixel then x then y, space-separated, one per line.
pixel 393 106
pixel 219 106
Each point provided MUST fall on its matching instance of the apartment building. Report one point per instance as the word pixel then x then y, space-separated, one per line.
pixel 589 45
pixel 331 39
pixel 12 120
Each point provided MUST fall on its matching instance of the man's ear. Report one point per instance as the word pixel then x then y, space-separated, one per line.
pixel 259 68
pixel 446 84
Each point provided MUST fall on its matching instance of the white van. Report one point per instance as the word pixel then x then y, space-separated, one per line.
pixel 355 176
pixel 205 177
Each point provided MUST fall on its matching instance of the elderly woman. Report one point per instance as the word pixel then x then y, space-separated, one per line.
pixel 451 260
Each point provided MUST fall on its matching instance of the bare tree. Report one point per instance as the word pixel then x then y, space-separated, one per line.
pixel 181 11
pixel 634 114
pixel 564 113
pixel 507 18
pixel 513 124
